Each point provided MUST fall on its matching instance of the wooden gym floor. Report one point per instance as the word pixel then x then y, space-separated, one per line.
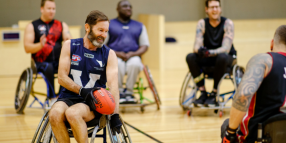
pixel 169 124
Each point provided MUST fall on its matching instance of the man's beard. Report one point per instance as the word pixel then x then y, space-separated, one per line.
pixel 94 39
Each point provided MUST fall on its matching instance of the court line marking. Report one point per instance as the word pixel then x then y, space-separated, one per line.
pixel 10 115
pixel 149 136
pixel 6 107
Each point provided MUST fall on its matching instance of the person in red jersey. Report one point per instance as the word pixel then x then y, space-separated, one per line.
pixel 43 39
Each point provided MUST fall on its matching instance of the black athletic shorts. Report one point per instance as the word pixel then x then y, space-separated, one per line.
pixel 72 101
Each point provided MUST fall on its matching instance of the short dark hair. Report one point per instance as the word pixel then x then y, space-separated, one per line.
pixel 95 16
pixel 44 1
pixel 207 2
pixel 280 35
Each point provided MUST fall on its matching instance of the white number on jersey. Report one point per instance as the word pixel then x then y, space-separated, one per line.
pixel 285 72
pixel 92 78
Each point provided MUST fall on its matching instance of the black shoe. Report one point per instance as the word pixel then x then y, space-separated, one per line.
pixel 122 98
pixel 130 99
pixel 201 100
pixel 211 100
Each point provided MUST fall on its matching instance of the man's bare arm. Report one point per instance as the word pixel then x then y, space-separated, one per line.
pixel 112 78
pixel 66 32
pixel 200 30
pixel 64 68
pixel 257 68
pixel 227 39
pixel 29 37
pixel 142 49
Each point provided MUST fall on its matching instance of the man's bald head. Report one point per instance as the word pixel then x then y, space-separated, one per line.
pixel 280 35
pixel 124 9
pixel 118 4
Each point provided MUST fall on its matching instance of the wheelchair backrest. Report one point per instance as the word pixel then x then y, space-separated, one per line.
pixel 275 128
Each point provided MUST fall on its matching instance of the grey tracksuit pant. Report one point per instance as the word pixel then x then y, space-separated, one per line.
pixel 132 68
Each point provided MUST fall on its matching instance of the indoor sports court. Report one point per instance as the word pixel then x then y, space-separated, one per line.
pixel 161 117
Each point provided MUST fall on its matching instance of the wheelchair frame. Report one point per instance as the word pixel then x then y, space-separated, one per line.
pixel 186 99
pixel 44 132
pixel 139 88
pixel 28 79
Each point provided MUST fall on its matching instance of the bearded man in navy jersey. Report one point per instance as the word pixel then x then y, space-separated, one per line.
pixel 85 64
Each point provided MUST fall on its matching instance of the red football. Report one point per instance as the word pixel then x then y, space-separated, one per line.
pixel 105 101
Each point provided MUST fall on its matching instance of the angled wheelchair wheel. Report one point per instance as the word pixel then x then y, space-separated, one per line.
pixel 45 116
pixel 23 90
pixel 237 73
pixel 188 92
pixel 122 137
pixel 45 133
pixel 152 86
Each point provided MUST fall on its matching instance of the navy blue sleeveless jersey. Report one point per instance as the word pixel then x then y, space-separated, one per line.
pixel 88 68
pixel 124 36
pixel 267 101
pixel 213 36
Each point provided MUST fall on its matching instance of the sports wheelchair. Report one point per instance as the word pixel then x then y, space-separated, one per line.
pixel 273 130
pixel 189 88
pixel 25 89
pixel 139 88
pixel 44 133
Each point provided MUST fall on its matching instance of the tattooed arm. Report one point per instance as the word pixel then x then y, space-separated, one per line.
pixel 200 30
pixel 227 39
pixel 257 68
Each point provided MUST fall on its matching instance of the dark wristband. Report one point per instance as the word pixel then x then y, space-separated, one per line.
pixel 230 129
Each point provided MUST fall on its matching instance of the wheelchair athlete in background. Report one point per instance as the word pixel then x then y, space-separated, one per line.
pixel 129 39
pixel 43 39
pixel 85 64
pixel 213 47
pixel 260 94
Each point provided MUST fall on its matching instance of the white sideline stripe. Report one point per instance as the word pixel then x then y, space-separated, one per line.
pixel 163 106
pixel 167 99
pixel 10 115
pixel 6 107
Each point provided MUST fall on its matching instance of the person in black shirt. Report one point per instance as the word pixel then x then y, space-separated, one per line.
pixel 260 93
pixel 43 39
pixel 213 47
